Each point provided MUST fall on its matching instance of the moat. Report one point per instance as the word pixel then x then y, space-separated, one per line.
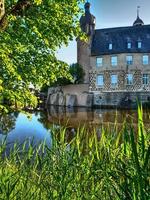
pixel 37 126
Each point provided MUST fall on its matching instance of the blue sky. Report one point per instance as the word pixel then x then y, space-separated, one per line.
pixel 110 13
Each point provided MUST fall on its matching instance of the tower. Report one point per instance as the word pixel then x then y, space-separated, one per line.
pixel 87 23
pixel 2 9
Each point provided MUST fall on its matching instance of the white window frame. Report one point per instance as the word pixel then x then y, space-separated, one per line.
pixel 129 79
pixel 114 80
pixel 129 61
pixel 99 64
pixel 110 46
pixel 139 44
pixel 129 45
pixel 145 79
pixel 114 63
pixel 145 61
pixel 100 79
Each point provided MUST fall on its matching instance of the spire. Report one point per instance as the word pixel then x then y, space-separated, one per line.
pixel 87 6
pixel 138 11
pixel 138 21
pixel 87 21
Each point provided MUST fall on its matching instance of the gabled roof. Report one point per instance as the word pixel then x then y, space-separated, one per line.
pixel 119 37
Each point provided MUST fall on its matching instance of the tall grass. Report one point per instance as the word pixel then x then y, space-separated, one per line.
pixel 96 164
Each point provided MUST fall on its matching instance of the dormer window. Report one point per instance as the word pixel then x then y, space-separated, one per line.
pixel 139 45
pixel 110 46
pixel 129 45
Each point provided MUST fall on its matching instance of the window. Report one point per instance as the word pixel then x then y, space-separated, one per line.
pixel 145 60
pixel 129 79
pixel 129 45
pixel 114 60
pixel 145 79
pixel 100 80
pixel 99 62
pixel 114 80
pixel 139 45
pixel 110 46
pixel 129 60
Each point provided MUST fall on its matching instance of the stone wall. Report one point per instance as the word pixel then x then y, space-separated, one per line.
pixel 70 96
pixel 137 69
pixel 122 83
pixel 75 89
pixel 83 57
pixel 121 64
pixel 120 99
pixel 76 96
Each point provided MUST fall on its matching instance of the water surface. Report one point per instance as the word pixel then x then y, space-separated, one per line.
pixel 37 125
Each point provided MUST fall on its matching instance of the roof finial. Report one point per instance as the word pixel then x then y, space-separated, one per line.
pixel 138 11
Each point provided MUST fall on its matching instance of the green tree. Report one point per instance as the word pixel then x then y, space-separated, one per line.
pixel 77 73
pixel 30 33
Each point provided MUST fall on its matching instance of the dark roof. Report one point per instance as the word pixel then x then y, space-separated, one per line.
pixel 87 5
pixel 119 38
pixel 138 22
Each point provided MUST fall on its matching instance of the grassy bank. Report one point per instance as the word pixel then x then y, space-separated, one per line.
pixel 98 164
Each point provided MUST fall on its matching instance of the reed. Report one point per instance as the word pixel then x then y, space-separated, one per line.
pixel 111 164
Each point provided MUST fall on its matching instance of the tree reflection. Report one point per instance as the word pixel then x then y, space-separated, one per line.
pixel 44 120
pixel 7 122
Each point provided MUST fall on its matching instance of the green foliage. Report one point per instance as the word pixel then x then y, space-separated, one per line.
pixel 30 33
pixel 76 76
pixel 77 73
pixel 115 165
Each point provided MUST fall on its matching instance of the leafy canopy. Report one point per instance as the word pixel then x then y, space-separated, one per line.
pixel 77 73
pixel 30 33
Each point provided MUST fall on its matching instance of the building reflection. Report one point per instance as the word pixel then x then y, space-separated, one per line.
pixel 112 120
pixel 80 116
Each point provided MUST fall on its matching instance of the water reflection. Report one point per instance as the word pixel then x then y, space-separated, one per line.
pixel 7 122
pixel 19 126
pixel 79 116
pixel 24 127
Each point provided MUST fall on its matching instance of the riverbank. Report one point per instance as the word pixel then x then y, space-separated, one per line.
pixel 110 164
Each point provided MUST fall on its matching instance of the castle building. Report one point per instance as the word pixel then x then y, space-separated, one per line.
pixel 116 61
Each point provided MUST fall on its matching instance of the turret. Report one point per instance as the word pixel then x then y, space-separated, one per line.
pixel 87 23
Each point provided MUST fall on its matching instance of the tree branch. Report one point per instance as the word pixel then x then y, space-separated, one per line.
pixel 17 10
pixel 20 7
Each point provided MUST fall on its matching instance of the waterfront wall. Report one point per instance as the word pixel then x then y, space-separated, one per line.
pixel 70 96
pixel 79 96
pixel 121 99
